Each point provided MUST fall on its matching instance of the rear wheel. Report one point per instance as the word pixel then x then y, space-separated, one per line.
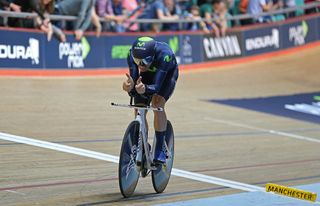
pixel 161 176
pixel 128 172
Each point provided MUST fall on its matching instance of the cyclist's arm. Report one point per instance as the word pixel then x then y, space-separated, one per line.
pixel 134 73
pixel 159 79
pixel 166 60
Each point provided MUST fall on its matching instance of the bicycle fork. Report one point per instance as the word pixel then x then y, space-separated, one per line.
pixel 143 144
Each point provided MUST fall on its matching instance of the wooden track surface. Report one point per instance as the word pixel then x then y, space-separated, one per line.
pixel 211 138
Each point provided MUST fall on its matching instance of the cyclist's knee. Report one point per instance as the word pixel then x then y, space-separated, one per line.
pixel 158 101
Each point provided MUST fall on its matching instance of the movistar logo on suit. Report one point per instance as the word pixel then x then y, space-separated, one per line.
pixel 167 58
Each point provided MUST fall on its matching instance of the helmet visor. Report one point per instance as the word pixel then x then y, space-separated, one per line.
pixel 143 62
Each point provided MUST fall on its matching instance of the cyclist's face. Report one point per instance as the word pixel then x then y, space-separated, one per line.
pixel 143 64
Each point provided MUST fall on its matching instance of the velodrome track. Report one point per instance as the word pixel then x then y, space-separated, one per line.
pixel 212 139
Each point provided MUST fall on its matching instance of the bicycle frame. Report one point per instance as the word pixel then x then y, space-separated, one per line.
pixel 141 113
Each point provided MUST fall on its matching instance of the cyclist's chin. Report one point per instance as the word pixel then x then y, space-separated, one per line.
pixel 143 68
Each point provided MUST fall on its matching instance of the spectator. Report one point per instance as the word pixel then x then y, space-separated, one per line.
pixel 195 15
pixel 258 6
pixel 311 10
pixel 119 14
pixel 132 9
pixel 206 7
pixel 290 4
pixel 186 5
pixel 216 18
pixel 96 22
pixel 80 8
pixel 277 5
pixel 43 8
pixel 156 10
pixel 104 9
pixel 6 5
pixel 172 9
pixel 243 9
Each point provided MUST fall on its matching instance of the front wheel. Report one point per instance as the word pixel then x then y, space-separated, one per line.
pixel 161 176
pixel 127 172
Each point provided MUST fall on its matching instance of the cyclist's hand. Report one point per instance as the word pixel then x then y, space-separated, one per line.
pixel 140 87
pixel 128 84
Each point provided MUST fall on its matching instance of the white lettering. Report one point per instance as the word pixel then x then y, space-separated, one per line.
pixel 21 52
pixel 73 52
pixel 3 51
pixel 264 41
pixel 221 47
pixel 296 34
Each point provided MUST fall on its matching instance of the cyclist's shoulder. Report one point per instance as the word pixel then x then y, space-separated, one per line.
pixel 163 49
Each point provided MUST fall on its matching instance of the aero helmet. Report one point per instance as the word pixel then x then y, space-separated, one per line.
pixel 143 51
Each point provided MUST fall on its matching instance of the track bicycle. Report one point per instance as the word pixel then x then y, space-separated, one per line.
pixel 136 155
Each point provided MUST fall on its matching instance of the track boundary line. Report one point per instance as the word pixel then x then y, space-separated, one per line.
pixel 115 159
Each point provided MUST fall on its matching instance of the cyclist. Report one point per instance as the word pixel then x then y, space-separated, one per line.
pixel 153 75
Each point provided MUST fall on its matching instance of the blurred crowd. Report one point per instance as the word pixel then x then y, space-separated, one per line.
pixel 211 15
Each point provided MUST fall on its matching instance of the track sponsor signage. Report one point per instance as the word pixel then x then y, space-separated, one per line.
pixel 116 50
pixel 318 27
pixel 18 50
pixel 291 192
pixel 304 107
pixel 191 51
pixel 30 50
pixel 225 47
pixel 261 40
pixel 74 54
pixel 299 33
pixel 185 47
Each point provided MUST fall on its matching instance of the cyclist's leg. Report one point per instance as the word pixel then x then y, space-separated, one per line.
pixel 160 118
pixel 160 126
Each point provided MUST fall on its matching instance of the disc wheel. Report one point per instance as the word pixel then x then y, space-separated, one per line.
pixel 128 173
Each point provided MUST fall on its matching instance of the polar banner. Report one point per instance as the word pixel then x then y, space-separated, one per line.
pixel 72 54
pixel 299 33
pixel 20 50
pixel 229 46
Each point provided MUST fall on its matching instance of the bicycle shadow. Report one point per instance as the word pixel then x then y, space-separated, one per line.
pixel 112 198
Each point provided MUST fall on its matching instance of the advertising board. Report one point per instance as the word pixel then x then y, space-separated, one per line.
pixel 261 40
pixel 21 49
pixel 298 33
pixel 229 46
pixel 116 50
pixel 190 49
pixel 74 54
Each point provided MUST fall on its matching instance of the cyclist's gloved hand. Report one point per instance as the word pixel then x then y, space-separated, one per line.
pixel 140 87
pixel 128 84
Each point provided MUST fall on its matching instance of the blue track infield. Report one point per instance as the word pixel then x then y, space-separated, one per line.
pixel 305 107
pixel 252 199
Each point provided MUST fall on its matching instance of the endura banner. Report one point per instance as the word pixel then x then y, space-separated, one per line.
pixel 21 49
pixel 262 40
